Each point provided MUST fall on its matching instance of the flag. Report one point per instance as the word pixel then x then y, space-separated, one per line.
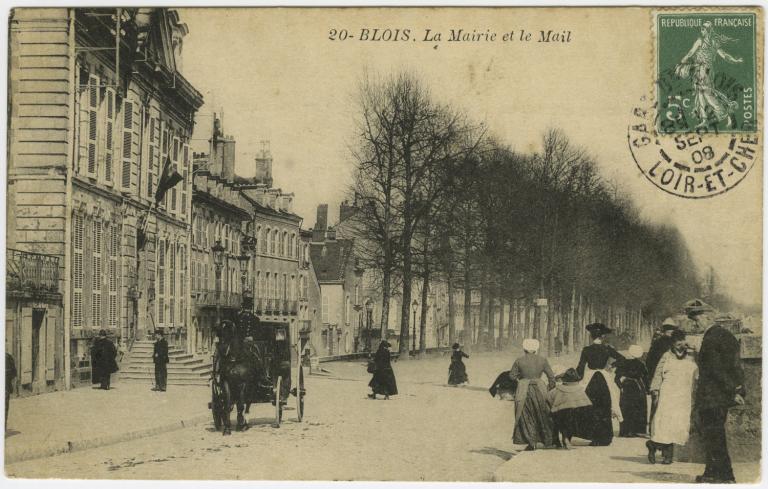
pixel 141 230
pixel 169 178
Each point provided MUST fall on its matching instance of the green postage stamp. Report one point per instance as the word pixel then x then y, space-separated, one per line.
pixel 706 72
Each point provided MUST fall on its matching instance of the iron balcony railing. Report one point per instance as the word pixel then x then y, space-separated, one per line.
pixel 32 272
pixel 211 298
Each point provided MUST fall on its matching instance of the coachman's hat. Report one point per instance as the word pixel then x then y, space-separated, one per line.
pixel 456 346
pixel 599 329
pixel 102 332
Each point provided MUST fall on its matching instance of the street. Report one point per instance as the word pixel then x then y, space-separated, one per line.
pixel 428 432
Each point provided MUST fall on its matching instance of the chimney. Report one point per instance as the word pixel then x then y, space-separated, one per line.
pixel 331 234
pixel 263 163
pixel 228 158
pixel 318 232
pixel 346 211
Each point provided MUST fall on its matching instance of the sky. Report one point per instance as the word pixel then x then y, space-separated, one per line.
pixel 276 76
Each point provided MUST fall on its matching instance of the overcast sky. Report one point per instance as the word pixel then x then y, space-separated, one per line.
pixel 278 77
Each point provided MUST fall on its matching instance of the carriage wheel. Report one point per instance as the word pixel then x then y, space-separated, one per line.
pixel 300 395
pixel 278 402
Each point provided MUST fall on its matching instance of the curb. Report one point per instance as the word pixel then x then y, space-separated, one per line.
pixel 15 456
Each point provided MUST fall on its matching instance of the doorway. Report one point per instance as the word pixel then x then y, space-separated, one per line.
pixel 38 318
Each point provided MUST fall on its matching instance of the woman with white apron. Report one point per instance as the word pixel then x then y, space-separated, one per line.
pixel 599 384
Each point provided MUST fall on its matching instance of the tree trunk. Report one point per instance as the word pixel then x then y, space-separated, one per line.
pixel 451 313
pixel 550 310
pixel 483 302
pixel 424 310
pixel 500 342
pixel 385 285
pixel 405 307
pixel 571 318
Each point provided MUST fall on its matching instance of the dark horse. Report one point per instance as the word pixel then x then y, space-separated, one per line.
pixel 236 368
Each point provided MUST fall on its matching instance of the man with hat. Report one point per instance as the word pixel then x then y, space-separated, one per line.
pixel 103 363
pixel 161 359
pixel 660 346
pixel 720 387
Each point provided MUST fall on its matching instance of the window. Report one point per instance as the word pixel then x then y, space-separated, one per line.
pixel 109 136
pixel 92 103
pixel 346 309
pixel 114 251
pixel 172 284
pixel 257 292
pixel 163 156
pixel 325 307
pixel 161 283
pixel 97 274
pixel 77 270
pixel 175 162
pixel 268 241
pixel 304 291
pixel 275 234
pixel 129 122
pixel 185 182
pixel 153 163
pixel 284 287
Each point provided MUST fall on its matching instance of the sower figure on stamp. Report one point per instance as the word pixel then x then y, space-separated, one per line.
pixel 720 387
pixel 161 359
pixel 703 54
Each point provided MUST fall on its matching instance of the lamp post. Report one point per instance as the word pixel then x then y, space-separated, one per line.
pixel 243 260
pixel 414 306
pixel 218 261
pixel 368 319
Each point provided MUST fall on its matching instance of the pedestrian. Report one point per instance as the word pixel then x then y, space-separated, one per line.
pixel 10 376
pixel 103 363
pixel 383 381
pixel 457 371
pixel 596 379
pixel 720 387
pixel 660 345
pixel 571 408
pixel 533 420
pixel 673 384
pixel 161 359
pixel 632 379
pixel 120 352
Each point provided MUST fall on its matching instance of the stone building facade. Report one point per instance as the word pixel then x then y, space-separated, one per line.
pixel 91 129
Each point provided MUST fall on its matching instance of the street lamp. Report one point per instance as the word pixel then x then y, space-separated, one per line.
pixel 368 319
pixel 243 260
pixel 218 261
pixel 414 306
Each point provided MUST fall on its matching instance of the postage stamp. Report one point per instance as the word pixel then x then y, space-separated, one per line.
pixel 706 72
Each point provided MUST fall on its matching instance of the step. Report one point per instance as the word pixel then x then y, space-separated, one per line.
pixel 170 382
pixel 177 376
pixel 192 362
pixel 170 369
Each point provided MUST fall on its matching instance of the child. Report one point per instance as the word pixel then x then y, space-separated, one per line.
pixel 571 408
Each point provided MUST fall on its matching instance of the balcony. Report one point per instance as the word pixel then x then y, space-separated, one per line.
pixel 32 272
pixel 212 298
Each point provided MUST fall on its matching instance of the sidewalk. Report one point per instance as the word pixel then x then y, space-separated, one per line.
pixel 82 418
pixel 623 462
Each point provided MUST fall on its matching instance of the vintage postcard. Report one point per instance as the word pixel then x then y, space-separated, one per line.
pixel 506 244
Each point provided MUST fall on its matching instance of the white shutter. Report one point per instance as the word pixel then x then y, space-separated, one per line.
pixel 113 247
pixel 109 137
pixel 26 345
pixel 77 271
pixel 163 156
pixel 127 146
pixel 51 321
pixel 161 282
pixel 175 167
pixel 92 167
pixel 98 279
pixel 153 155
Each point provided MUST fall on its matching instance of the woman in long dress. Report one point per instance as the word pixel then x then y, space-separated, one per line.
pixel 632 378
pixel 673 384
pixel 598 381
pixel 383 381
pixel 457 371
pixel 533 421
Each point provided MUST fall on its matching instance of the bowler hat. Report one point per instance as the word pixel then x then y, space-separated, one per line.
pixel 456 346
pixel 102 332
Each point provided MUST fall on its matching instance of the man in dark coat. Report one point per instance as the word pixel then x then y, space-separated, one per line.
pixel 10 376
pixel 161 359
pixel 103 363
pixel 720 387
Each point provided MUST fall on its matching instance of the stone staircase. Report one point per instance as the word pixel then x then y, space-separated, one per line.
pixel 183 368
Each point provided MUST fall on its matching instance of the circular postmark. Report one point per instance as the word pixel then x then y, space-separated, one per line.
pixel 693 163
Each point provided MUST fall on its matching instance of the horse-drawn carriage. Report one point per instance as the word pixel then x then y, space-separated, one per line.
pixel 254 363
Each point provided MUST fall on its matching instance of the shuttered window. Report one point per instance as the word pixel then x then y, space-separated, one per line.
pixel 161 283
pixel 163 157
pixel 109 136
pixel 93 124
pixel 185 183
pixel 153 157
pixel 77 271
pixel 182 258
pixel 172 283
pixel 127 159
pixel 97 279
pixel 175 162
pixel 114 251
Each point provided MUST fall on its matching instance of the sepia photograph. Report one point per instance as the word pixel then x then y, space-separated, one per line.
pixel 384 243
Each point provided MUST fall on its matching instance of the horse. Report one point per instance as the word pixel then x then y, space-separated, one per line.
pixel 236 369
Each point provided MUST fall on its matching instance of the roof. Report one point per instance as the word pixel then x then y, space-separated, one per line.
pixel 330 265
